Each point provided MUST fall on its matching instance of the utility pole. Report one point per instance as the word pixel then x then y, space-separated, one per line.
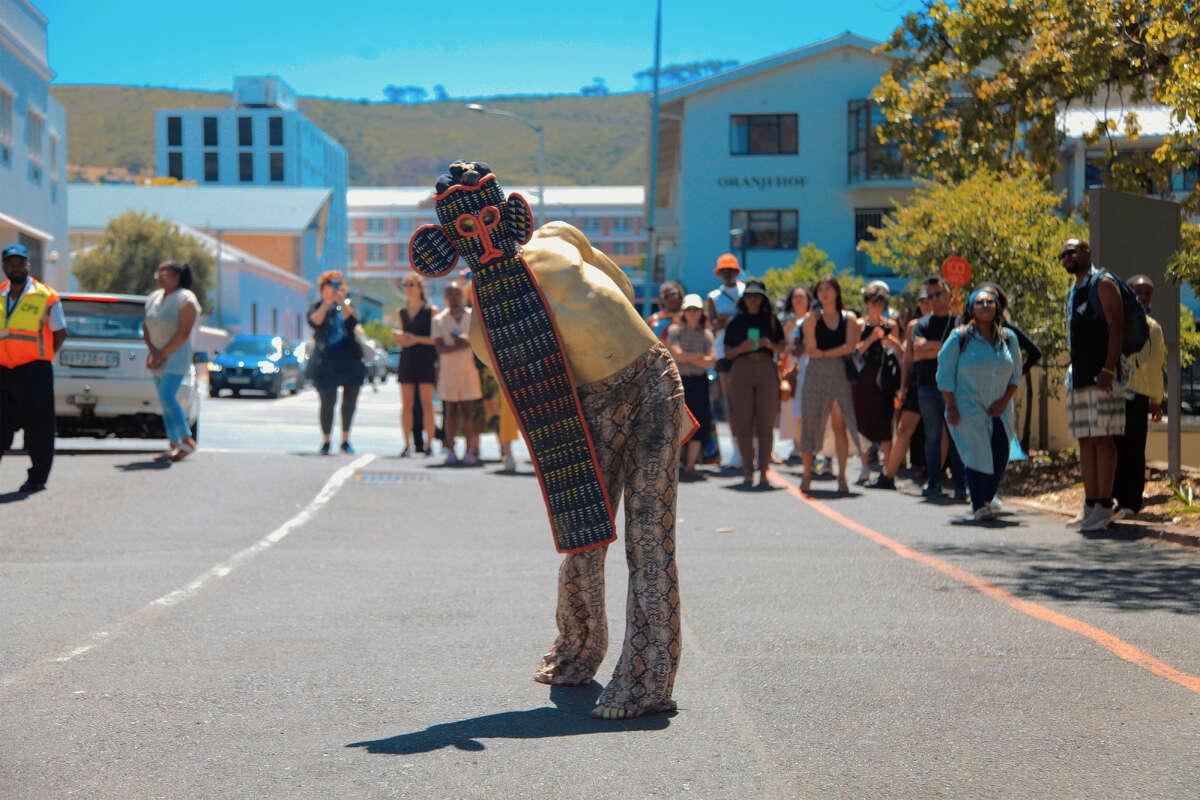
pixel 652 189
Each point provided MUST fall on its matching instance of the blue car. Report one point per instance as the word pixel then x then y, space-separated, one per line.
pixel 260 363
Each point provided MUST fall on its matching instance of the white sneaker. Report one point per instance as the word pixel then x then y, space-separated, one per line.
pixel 1098 520
pixel 1079 518
pixel 510 463
pixel 1122 513
pixel 983 514
pixel 996 506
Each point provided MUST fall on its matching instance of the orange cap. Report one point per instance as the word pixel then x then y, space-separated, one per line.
pixel 727 261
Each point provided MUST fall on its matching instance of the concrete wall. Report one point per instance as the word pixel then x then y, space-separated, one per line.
pixel 818 91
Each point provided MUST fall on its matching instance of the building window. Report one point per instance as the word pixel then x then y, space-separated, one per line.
pixel 174 132
pixel 212 171
pixel 864 220
pixel 35 132
pixel 376 253
pixel 867 159
pixel 210 131
pixel 766 230
pixel 245 131
pixel 622 225
pixel 620 248
pixel 375 225
pixel 6 127
pixel 53 164
pixel 762 134
pixel 246 167
pixel 275 131
pixel 175 165
pixel 1184 180
pixel 277 167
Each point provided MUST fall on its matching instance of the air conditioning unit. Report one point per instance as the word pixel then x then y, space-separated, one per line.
pixel 263 91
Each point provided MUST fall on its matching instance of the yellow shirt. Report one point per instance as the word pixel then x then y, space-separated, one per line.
pixel 1149 363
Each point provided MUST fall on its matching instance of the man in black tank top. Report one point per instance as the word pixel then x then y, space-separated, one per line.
pixel 1095 413
pixel 928 335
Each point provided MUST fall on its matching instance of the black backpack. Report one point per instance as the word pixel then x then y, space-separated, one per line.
pixel 1137 329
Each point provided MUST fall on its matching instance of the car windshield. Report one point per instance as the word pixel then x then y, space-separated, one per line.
pixel 97 319
pixel 253 346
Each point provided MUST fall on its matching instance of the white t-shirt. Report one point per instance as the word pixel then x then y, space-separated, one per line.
pixel 162 323
pixel 458 379
pixel 724 299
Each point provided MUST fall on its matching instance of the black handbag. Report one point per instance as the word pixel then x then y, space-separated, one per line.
pixel 887 380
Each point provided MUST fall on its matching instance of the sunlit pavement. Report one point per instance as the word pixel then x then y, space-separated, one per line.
pixel 261 622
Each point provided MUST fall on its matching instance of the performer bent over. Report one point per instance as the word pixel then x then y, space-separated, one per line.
pixel 620 387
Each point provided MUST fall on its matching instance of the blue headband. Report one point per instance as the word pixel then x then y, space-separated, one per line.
pixel 974 294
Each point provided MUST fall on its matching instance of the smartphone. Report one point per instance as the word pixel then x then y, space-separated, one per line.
pixel 754 334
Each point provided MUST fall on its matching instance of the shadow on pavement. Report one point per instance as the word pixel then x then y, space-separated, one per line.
pixel 568 717
pixel 1125 576
pixel 140 466
pixel 13 497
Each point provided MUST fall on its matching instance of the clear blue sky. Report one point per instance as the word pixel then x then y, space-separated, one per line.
pixel 354 48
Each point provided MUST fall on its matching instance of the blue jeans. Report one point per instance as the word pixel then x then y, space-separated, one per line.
pixel 174 420
pixel 983 487
pixel 933 415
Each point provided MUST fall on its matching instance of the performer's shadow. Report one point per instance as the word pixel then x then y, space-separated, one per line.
pixel 568 717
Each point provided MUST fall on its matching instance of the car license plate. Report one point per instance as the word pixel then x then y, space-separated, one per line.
pixel 239 381
pixel 90 359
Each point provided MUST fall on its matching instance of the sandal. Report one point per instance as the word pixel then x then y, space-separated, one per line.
pixel 167 456
pixel 183 452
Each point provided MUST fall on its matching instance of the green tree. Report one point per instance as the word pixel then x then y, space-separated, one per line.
pixel 132 247
pixel 812 263
pixel 1009 229
pixel 980 83
pixel 380 331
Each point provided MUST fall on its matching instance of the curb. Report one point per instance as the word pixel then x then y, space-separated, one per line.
pixel 1143 530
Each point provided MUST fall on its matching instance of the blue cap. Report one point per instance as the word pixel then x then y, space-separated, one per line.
pixel 15 250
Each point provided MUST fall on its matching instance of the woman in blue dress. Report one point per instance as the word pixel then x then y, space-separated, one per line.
pixel 979 370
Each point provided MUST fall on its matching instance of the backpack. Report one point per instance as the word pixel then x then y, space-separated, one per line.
pixel 1137 329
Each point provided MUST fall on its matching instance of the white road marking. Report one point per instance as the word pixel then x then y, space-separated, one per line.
pixel 157 606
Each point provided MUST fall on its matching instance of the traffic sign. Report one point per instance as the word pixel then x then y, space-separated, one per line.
pixel 957 271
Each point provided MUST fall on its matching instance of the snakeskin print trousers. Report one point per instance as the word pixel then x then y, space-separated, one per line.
pixel 634 417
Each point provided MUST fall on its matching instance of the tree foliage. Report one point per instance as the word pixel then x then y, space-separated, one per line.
pixel 678 74
pixel 1008 228
pixel 405 94
pixel 980 83
pixel 132 247
pixel 812 263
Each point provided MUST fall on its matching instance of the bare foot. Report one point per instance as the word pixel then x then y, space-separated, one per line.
pixel 620 712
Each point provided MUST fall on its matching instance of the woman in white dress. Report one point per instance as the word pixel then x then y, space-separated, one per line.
pixel 792 367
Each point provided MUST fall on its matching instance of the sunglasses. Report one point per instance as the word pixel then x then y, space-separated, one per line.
pixel 985 301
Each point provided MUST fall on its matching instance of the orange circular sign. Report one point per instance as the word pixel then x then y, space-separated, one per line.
pixel 957 271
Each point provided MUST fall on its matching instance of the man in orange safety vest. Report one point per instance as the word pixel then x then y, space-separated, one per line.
pixel 32 329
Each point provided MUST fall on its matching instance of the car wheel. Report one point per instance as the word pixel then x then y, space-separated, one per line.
pixel 214 392
pixel 236 392
pixel 276 388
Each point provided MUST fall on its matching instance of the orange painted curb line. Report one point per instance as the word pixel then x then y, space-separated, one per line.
pixel 1121 649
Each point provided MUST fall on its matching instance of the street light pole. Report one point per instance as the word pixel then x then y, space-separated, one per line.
pixel 540 131
pixel 652 188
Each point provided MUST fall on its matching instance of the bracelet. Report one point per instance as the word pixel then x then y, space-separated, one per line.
pixel 1111 372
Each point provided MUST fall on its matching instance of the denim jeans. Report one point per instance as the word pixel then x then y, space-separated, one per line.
pixel 983 487
pixel 174 420
pixel 933 415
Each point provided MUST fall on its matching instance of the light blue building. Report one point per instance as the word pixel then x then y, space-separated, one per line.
pixel 782 151
pixel 261 141
pixel 269 240
pixel 33 146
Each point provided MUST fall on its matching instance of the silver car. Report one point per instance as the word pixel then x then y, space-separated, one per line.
pixel 101 384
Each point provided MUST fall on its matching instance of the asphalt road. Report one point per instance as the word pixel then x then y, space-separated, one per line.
pixel 263 622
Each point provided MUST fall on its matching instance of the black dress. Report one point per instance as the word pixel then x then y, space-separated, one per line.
pixel 871 407
pixel 418 362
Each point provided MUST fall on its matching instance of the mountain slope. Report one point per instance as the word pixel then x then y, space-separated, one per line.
pixel 589 140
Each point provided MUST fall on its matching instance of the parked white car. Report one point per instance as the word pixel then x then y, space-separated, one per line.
pixel 101 384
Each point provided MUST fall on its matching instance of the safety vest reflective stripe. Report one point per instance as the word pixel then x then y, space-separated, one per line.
pixel 26 330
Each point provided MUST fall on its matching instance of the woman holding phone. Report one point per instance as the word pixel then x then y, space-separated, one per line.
pixel 752 340
pixel 337 354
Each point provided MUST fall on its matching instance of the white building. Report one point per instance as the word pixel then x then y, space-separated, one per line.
pixel 261 141
pixel 33 146
pixel 782 149
pixel 382 220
